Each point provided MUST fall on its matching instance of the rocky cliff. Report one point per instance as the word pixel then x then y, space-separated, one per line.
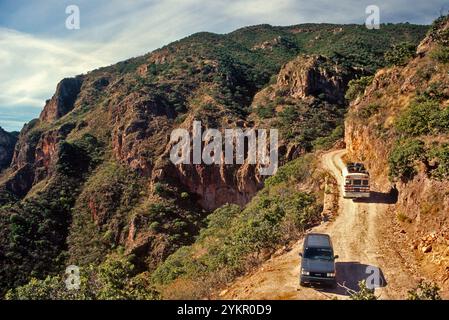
pixel 7 143
pixel 399 127
pixel 63 100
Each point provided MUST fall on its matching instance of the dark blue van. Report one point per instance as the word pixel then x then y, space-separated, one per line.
pixel 318 260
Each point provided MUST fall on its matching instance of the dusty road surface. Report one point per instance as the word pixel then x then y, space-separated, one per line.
pixel 360 239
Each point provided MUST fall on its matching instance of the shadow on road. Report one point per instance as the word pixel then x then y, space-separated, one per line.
pixel 379 197
pixel 349 274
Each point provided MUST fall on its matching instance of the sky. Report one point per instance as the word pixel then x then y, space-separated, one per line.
pixel 37 50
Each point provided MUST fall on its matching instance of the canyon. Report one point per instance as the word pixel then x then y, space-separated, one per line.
pixel 91 183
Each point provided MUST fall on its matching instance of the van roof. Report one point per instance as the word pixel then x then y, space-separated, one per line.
pixel 317 240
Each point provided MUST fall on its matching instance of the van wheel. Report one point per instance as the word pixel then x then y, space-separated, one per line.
pixel 302 284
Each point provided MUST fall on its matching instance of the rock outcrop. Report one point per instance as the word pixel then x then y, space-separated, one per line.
pixel 7 143
pixel 314 76
pixel 63 100
pixel 309 92
pixel 213 185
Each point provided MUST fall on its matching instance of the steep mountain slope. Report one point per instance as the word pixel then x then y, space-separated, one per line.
pixel 400 128
pixel 91 178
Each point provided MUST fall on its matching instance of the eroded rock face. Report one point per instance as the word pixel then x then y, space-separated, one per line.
pixel 25 147
pixel 315 75
pixel 21 181
pixel 7 143
pixel 46 150
pixel 34 156
pixel 141 129
pixel 63 100
pixel 215 185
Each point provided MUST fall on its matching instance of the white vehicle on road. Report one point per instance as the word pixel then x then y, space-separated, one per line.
pixel 356 179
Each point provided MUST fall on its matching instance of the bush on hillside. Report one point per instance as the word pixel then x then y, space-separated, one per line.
pixel 368 111
pixel 425 291
pixel 439 156
pixel 422 118
pixel 404 157
pixel 364 293
pixel 266 111
pixel 440 54
pixel 114 279
pixel 400 54
pixel 357 87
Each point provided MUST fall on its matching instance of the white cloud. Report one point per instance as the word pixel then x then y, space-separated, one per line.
pixel 31 63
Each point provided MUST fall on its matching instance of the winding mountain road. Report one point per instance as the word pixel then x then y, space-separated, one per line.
pixel 359 236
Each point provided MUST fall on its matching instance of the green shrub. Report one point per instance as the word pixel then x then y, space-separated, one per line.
pixel 293 171
pixel 440 155
pixel 425 291
pixel 400 54
pixel 364 293
pixel 403 158
pixel 160 189
pixel 357 87
pixel 437 91
pixel 177 265
pixel 185 195
pixel 440 54
pixel 154 225
pixel 209 107
pixel 328 142
pixel 437 31
pixel 368 111
pixel 423 118
pixel 265 112
pixel 289 115
pixel 114 279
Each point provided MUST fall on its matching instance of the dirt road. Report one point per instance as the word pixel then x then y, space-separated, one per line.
pixel 359 237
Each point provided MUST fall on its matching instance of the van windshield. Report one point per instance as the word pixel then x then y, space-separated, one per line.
pixel 318 253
